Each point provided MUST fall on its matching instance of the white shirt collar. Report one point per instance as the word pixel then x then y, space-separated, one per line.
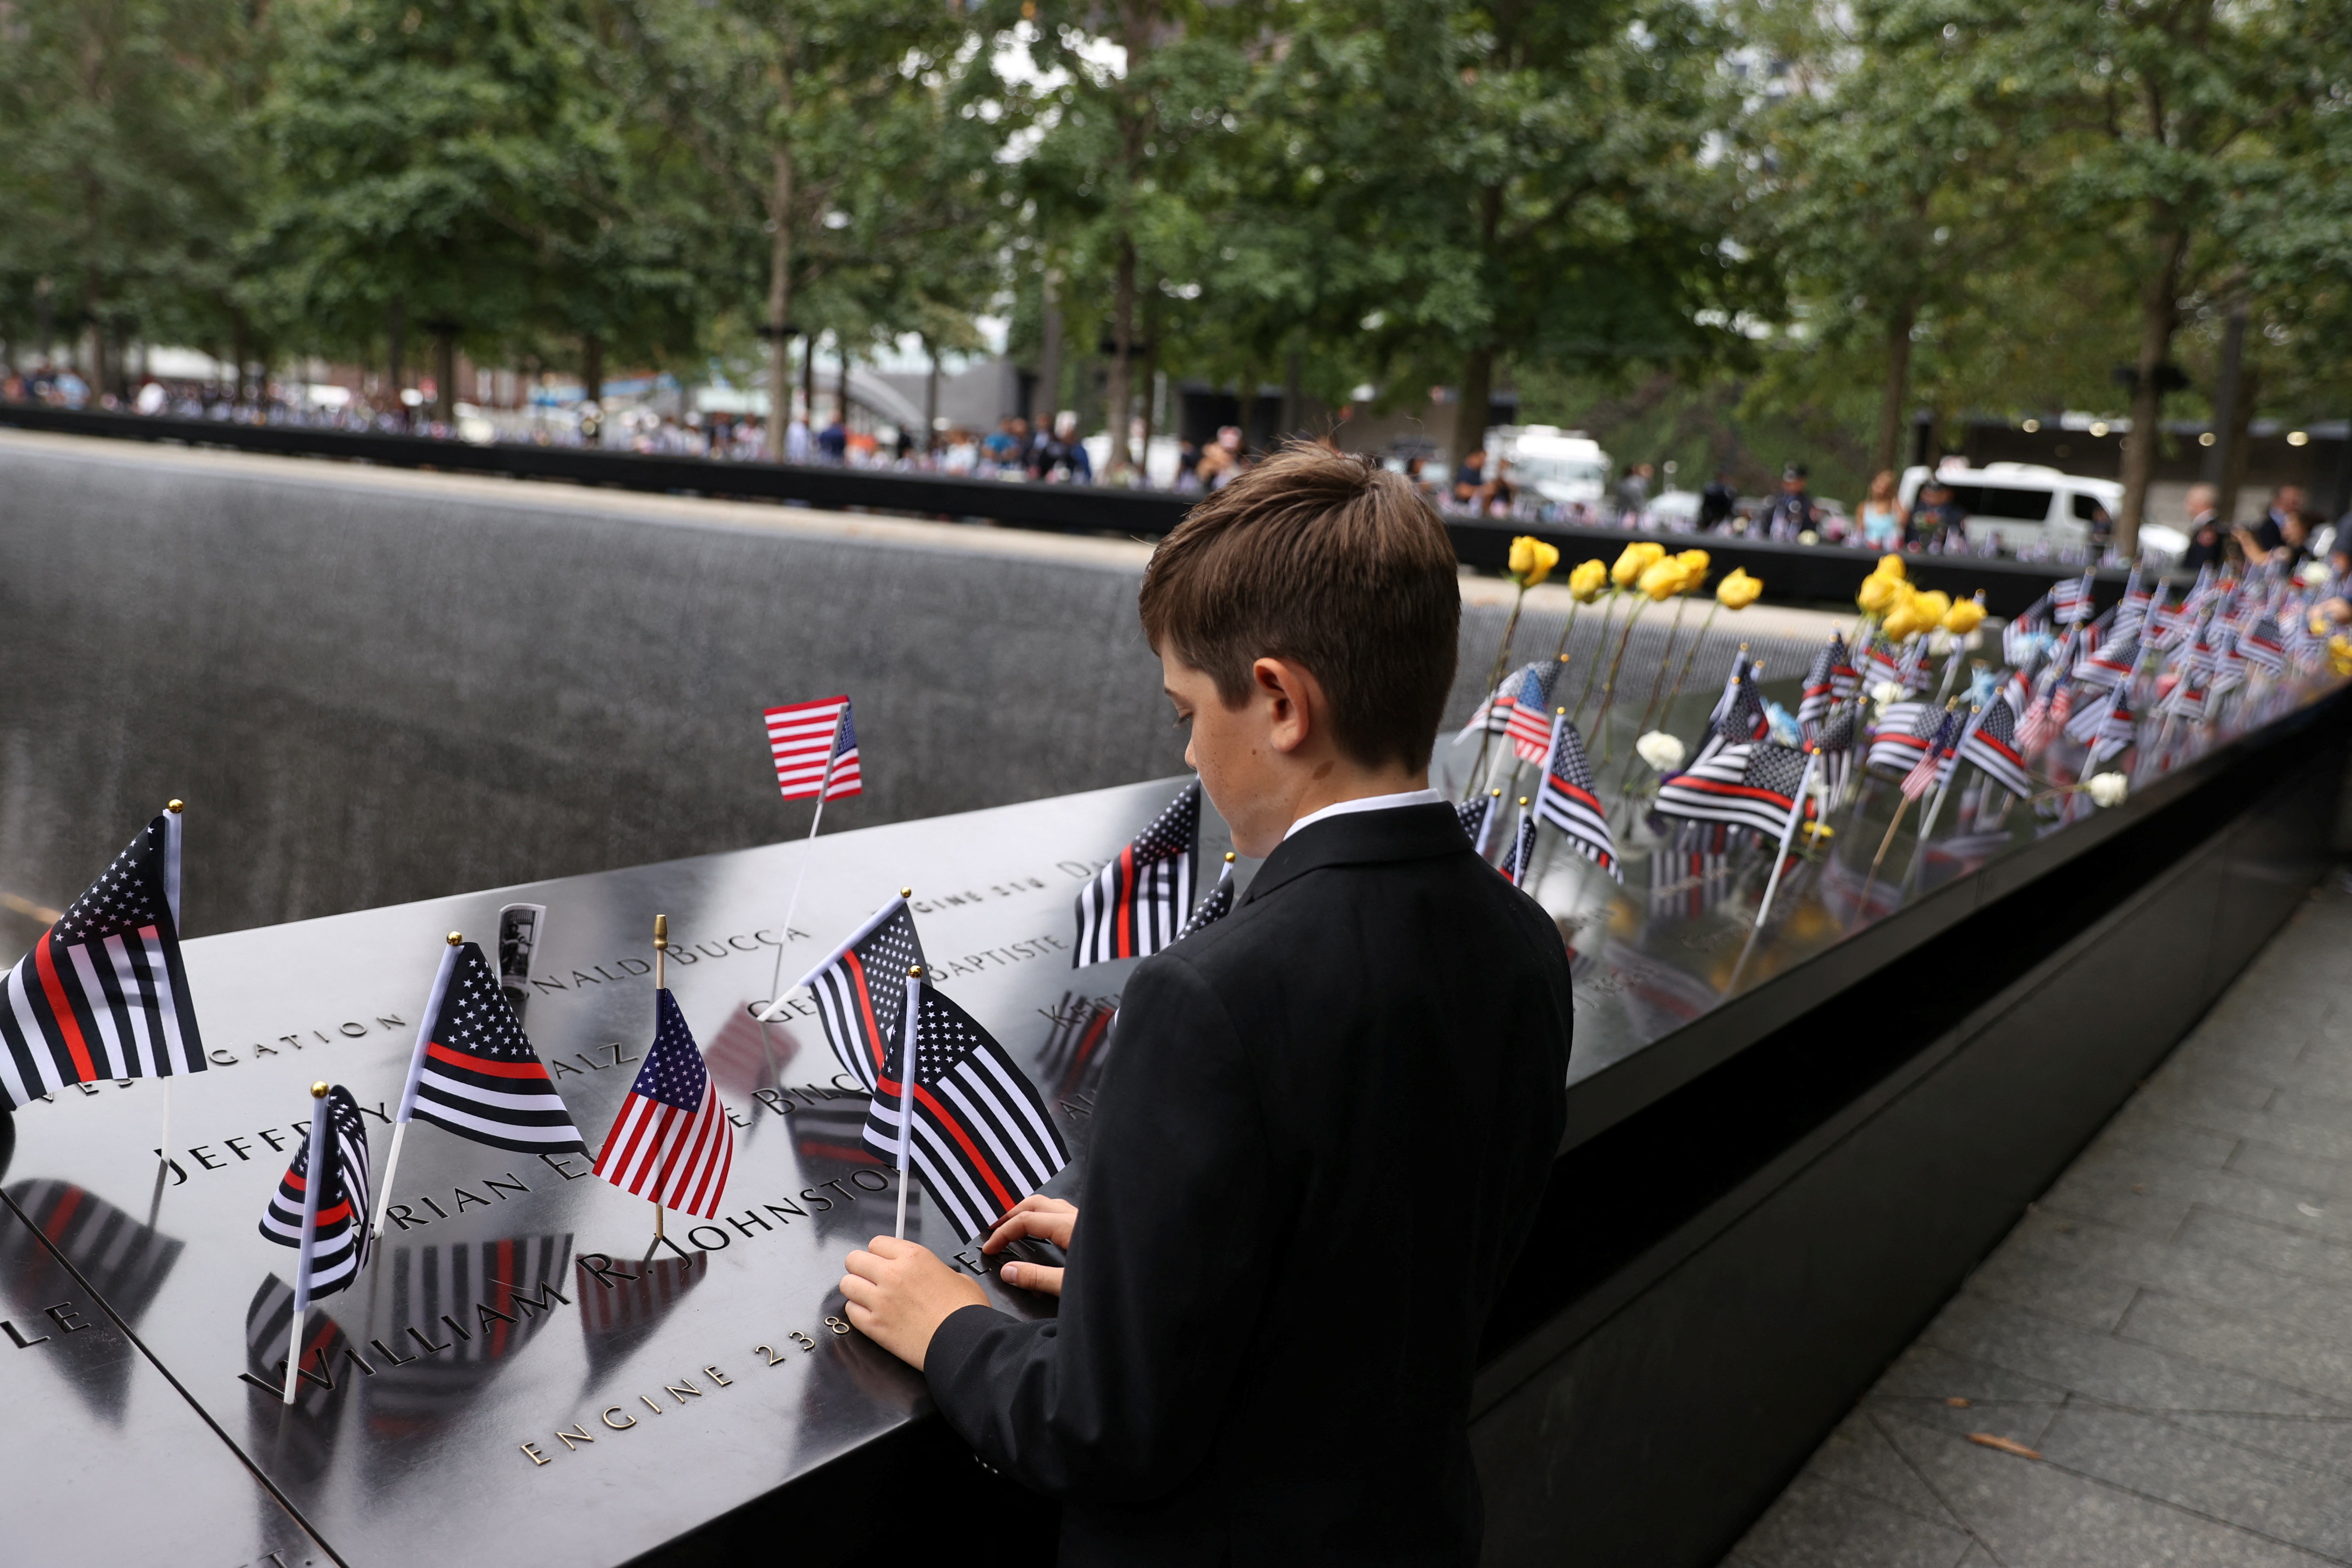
pixel 1368 803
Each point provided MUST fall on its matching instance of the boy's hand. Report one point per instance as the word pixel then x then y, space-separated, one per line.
pixel 1047 1219
pixel 898 1294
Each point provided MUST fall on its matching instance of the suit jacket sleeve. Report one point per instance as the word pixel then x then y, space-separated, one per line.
pixel 1181 1225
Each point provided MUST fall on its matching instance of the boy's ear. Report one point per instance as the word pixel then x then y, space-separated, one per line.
pixel 1292 695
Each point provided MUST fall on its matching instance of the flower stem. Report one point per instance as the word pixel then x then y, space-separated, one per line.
pixel 1657 684
pixel 1609 687
pixel 1494 679
pixel 1592 670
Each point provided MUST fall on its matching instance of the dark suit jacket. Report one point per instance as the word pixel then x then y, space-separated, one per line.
pixel 1322 1132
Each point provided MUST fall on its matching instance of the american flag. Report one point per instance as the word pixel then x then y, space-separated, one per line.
pixel 337 1241
pixel 981 1140
pixel 1900 735
pixel 1834 740
pixel 1930 768
pixel 803 738
pixel 1752 785
pixel 2118 727
pixel 1529 724
pixel 1473 813
pixel 2229 665
pixel 1991 744
pixel 672 1143
pixel 1565 798
pixel 1216 906
pixel 1529 686
pixel 1822 681
pixel 1075 1044
pixel 861 994
pixel 476 1074
pixel 102 994
pixel 2263 646
pixel 1138 903
pixel 1739 714
pixel 1523 848
pixel 2070 600
pixel 2187 699
pixel 2112 661
pixel 1886 662
pixel 2131 610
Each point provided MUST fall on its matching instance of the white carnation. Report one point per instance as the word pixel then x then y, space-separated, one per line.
pixel 2108 789
pixel 1660 750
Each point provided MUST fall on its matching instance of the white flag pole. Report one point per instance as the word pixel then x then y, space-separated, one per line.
pixel 906 1093
pixel 1788 833
pixel 171 831
pixel 824 788
pixel 415 1074
pixel 312 1169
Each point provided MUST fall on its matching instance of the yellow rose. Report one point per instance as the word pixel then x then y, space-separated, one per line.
pixel 1532 559
pixel 1891 566
pixel 1876 593
pixel 1639 557
pixel 1694 562
pixel 1661 580
pixel 1587 580
pixel 1737 591
pixel 2339 654
pixel 1964 617
pixel 1904 618
pixel 1932 606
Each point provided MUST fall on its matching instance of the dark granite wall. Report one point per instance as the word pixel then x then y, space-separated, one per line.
pixel 370 692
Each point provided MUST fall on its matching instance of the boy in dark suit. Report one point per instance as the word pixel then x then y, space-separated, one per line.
pixel 1326 1120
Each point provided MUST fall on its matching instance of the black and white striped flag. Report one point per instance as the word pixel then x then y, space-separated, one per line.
pixel 1565 798
pixel 861 990
pixel 474 1072
pixel 1137 904
pixel 102 994
pixel 981 1140
pixel 335 1245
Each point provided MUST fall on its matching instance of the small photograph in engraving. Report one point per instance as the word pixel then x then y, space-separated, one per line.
pixel 520 926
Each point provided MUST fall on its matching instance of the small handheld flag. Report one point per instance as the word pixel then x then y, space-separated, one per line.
pixel 473 1071
pixel 1218 904
pixel 1136 904
pixel 1565 797
pixel 966 1121
pixel 1991 744
pixel 1523 848
pixel 1752 785
pixel 102 994
pixel 814 745
pixel 672 1143
pixel 320 1208
pixel 860 989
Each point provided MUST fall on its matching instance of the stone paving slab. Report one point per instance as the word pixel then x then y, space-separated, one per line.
pixel 2168 1330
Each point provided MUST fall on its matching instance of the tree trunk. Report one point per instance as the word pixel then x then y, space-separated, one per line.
pixel 1047 400
pixel 932 399
pixel 2160 308
pixel 1897 391
pixel 1151 409
pixel 444 375
pixel 2228 396
pixel 2233 472
pixel 780 297
pixel 239 350
pixel 840 390
pixel 591 382
pixel 808 389
pixel 396 332
pixel 1477 398
pixel 1122 363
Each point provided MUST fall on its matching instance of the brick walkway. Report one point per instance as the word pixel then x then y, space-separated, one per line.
pixel 2167 1333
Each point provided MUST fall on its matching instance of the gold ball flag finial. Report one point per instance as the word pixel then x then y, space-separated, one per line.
pixel 1523 800
pixel 906 892
pixel 916 972
pixel 661 933
pixel 1229 856
pixel 1560 713
pixel 1497 794
pixel 319 1089
pixel 175 806
pixel 455 937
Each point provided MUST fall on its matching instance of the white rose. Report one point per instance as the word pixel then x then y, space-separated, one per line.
pixel 1886 691
pixel 2108 789
pixel 1660 750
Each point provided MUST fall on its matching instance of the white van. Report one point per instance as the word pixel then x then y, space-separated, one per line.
pixel 2030 509
pixel 1560 468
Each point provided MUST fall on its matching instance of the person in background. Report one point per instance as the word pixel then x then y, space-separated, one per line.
pixel 1188 466
pixel 833 441
pixel 1471 487
pixel 1937 524
pixel 1003 447
pixel 1717 502
pixel 1791 511
pixel 2208 543
pixel 1882 517
pixel 1633 495
pixel 2265 537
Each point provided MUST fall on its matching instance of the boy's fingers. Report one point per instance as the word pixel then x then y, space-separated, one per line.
pixel 1033 1277
pixel 1016 1226
pixel 859 1291
pixel 862 1264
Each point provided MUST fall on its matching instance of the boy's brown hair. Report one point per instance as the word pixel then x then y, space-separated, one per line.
pixel 1332 562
